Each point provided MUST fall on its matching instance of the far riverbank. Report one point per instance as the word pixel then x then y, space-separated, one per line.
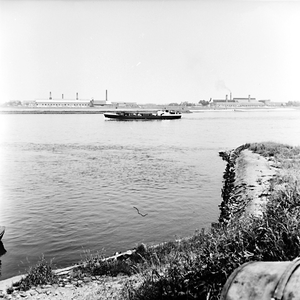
pixel 102 110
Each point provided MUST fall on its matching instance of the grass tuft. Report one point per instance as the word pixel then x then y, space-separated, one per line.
pixel 41 274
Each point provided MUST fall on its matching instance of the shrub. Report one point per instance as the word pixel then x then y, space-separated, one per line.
pixel 39 275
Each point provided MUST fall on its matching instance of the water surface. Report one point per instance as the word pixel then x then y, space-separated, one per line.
pixel 68 183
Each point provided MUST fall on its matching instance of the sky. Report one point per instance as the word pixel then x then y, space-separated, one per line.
pixel 155 51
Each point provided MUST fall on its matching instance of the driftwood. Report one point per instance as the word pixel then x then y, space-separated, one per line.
pixel 117 256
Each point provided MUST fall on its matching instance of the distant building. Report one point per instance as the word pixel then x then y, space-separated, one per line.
pixel 63 103
pixel 51 102
pixel 269 103
pixel 243 100
pixel 236 102
pixel 97 103
pixel 77 103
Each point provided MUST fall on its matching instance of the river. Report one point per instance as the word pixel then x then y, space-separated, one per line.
pixel 69 183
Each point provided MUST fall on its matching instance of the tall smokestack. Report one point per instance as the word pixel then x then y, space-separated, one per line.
pixel 50 97
pixel 230 96
pixel 106 96
pixel 76 96
pixel 248 98
pixel 62 96
pixel 226 98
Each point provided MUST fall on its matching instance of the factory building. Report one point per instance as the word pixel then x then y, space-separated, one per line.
pixel 230 102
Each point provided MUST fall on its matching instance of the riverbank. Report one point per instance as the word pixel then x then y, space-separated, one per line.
pixel 32 111
pixel 19 110
pixel 86 110
pixel 258 221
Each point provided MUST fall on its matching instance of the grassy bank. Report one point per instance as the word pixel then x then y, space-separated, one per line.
pixel 197 268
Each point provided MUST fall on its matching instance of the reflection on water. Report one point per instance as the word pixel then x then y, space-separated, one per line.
pixel 64 198
pixel 2 249
pixel 2 252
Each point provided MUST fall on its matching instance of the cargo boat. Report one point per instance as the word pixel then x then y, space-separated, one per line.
pixel 142 115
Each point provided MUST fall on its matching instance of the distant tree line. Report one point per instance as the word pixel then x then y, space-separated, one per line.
pixel 13 103
pixel 293 103
pixel 204 102
pixel 186 103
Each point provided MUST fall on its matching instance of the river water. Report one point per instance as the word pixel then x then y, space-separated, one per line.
pixel 69 183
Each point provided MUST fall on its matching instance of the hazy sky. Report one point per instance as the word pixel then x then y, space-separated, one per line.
pixel 150 51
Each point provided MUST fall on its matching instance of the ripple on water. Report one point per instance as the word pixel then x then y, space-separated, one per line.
pixel 73 196
pixel 69 183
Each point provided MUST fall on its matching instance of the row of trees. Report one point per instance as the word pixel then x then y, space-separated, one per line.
pixel 12 103
pixel 186 103
pixel 293 103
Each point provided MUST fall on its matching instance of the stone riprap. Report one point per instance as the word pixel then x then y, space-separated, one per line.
pixel 247 182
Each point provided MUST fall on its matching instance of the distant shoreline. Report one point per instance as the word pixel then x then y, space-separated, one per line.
pixel 38 110
pixel 25 110
pixel 45 112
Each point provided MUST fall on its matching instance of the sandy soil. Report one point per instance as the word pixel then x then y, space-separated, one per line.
pixel 99 288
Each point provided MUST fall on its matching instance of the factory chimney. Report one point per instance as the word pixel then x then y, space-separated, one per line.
pixel 230 96
pixel 248 98
pixel 62 96
pixel 226 98
pixel 50 97
pixel 106 96
pixel 76 96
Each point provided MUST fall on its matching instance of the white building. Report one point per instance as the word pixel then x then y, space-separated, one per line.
pixel 63 103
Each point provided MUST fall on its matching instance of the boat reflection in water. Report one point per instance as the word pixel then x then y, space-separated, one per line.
pixel 2 249
pixel 144 115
